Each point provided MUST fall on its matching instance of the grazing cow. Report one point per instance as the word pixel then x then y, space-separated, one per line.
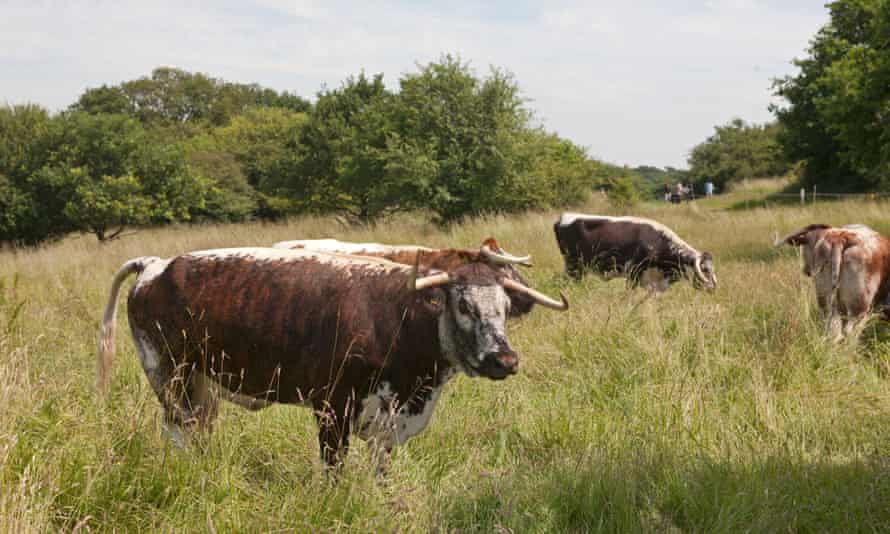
pixel 646 252
pixel 366 342
pixel 850 267
pixel 442 259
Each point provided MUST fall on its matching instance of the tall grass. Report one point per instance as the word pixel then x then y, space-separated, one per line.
pixel 688 412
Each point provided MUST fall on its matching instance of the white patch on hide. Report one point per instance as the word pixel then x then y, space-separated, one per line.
pixel 338 261
pixel 389 426
pixel 153 268
pixel 345 247
pixel 869 238
pixel 148 354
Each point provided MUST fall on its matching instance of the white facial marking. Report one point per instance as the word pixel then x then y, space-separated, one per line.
pixel 678 243
pixel 483 322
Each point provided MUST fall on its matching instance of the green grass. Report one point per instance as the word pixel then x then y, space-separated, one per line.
pixel 690 412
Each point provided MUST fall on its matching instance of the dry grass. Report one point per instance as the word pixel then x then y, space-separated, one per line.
pixel 690 412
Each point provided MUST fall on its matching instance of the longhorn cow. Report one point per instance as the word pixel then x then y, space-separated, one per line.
pixel 850 267
pixel 367 343
pixel 642 250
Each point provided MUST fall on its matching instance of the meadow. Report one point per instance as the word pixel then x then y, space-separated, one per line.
pixel 690 412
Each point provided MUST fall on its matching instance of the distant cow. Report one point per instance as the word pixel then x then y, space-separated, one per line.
pixel 644 251
pixel 850 267
pixel 444 259
pixel 367 343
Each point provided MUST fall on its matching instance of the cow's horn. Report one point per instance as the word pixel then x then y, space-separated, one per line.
pixel 504 258
pixel 698 273
pixel 539 297
pixel 431 281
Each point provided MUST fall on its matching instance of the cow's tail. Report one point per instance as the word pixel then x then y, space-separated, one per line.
pixel 109 319
pixel 836 262
pixel 837 254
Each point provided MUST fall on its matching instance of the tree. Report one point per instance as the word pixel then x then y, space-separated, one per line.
pixel 836 117
pixel 26 133
pixel 103 175
pixel 469 128
pixel 343 153
pixel 738 151
pixel 174 97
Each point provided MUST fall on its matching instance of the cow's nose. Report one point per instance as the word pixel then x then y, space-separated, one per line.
pixel 509 361
pixel 500 365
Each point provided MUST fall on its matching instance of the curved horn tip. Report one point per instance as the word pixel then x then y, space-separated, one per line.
pixel 565 301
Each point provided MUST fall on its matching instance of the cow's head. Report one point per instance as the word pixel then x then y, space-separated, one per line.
pixel 472 317
pixel 807 238
pixel 705 277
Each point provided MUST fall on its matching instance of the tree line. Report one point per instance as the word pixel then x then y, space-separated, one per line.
pixel 178 146
pixel 833 128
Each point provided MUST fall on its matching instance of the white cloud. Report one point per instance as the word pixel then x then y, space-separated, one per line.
pixel 637 82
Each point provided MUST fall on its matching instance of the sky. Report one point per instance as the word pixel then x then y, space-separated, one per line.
pixel 638 82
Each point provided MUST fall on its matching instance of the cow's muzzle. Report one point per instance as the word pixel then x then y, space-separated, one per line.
pixel 499 365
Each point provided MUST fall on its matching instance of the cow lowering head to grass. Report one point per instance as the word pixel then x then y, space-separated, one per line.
pixel 443 259
pixel 367 343
pixel 850 267
pixel 644 251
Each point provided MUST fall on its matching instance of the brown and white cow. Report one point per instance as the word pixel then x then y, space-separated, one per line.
pixel 644 251
pixel 442 259
pixel 367 343
pixel 850 267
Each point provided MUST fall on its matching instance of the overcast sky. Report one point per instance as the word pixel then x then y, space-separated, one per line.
pixel 636 82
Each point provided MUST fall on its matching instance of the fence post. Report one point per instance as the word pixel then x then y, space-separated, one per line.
pixel 803 196
pixel 814 194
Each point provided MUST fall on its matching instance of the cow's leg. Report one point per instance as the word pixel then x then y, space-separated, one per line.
pixel 376 424
pixel 203 399
pixel 855 294
pixel 656 281
pixel 574 266
pixel 332 417
pixel 826 298
pixel 384 425
pixel 184 393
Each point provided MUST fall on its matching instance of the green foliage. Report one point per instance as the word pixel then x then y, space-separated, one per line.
pixel 738 151
pixel 469 127
pixel 342 159
pixel 835 120
pixel 172 96
pixel 98 205
pixel 181 146
pixel 623 192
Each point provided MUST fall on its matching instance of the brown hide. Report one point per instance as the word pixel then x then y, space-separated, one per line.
pixel 291 331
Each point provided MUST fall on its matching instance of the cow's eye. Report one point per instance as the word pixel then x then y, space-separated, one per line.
pixel 463 307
